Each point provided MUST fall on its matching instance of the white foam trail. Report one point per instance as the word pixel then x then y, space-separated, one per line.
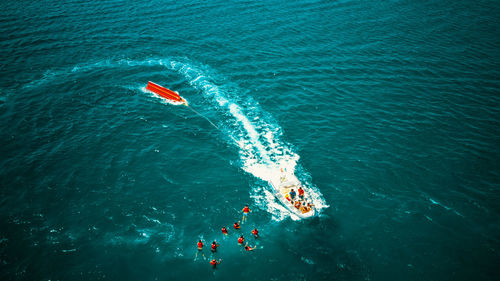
pixel 261 152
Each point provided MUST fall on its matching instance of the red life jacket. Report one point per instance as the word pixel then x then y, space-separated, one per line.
pixel 255 232
pixel 301 191
pixel 246 210
pixel 214 246
pixel 213 262
pixel 240 240
pixel 236 225
pixel 224 230
pixel 200 245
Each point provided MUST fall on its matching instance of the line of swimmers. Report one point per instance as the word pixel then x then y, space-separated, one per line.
pixel 224 230
pixel 298 204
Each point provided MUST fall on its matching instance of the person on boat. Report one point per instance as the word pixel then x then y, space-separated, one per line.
pixel 255 233
pixel 214 263
pixel 248 248
pixel 224 230
pixel 297 204
pixel 236 225
pixel 241 240
pixel 245 211
pixel 283 177
pixel 301 193
pixel 214 247
pixel 304 209
pixel 292 194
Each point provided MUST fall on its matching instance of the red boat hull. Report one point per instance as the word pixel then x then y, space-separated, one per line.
pixel 163 92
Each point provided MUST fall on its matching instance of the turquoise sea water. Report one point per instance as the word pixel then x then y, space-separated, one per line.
pixel 387 110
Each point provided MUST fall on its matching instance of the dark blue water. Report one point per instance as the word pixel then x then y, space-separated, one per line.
pixel 388 111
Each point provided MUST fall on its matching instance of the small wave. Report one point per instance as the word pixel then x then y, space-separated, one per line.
pixel 306 260
pixel 434 202
pixel 68 251
pixel 48 75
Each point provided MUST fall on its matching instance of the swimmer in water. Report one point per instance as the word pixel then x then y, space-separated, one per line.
pixel 200 249
pixel 248 248
pixel 214 247
pixel 255 233
pixel 236 225
pixel 224 230
pixel 245 211
pixel 214 263
pixel 241 240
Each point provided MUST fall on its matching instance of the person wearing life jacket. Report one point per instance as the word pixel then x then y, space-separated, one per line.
pixel 297 204
pixel 200 248
pixel 214 263
pixel 224 230
pixel 301 193
pixel 214 247
pixel 248 248
pixel 292 194
pixel 241 240
pixel 304 209
pixel 236 225
pixel 245 211
pixel 255 233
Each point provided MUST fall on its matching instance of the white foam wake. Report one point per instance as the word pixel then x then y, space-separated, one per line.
pixel 262 153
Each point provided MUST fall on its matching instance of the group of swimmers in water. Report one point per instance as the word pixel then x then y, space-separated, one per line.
pixel 224 230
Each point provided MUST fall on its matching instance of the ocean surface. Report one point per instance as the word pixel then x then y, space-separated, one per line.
pixel 387 111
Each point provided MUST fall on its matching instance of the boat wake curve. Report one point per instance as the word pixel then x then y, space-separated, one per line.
pixel 257 136
pixel 262 153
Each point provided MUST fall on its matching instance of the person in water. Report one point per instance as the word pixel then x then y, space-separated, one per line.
pixel 214 263
pixel 214 247
pixel 224 230
pixel 200 248
pixel 245 211
pixel 292 194
pixel 255 233
pixel 241 240
pixel 236 225
pixel 301 193
pixel 248 248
